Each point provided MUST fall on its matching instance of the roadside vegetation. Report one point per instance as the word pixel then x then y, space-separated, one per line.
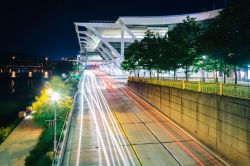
pixel 43 115
pixel 9 108
pixel 222 45
pixel 5 131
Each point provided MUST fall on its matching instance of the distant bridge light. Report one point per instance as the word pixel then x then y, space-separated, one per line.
pixel 13 74
pixel 30 74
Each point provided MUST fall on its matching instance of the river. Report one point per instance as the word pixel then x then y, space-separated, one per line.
pixel 18 90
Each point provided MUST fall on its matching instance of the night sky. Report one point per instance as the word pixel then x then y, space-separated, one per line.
pixel 45 27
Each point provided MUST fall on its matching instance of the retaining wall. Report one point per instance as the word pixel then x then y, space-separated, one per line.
pixel 222 123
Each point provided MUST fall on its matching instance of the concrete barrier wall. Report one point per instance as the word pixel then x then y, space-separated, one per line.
pixel 222 123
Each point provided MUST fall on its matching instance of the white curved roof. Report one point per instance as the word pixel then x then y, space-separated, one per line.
pixel 165 20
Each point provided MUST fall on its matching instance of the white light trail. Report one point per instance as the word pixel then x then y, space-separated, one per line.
pixel 113 146
pixel 115 124
pixel 98 105
pixel 81 123
pixel 104 121
pixel 90 104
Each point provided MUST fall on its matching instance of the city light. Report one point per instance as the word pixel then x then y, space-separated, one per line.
pixel 46 74
pixel 13 74
pixel 30 74
pixel 55 96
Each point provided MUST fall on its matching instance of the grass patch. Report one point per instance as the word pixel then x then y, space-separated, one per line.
pixel 5 131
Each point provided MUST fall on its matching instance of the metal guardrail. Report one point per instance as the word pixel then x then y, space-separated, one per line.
pixel 231 90
pixel 57 160
pixel 62 142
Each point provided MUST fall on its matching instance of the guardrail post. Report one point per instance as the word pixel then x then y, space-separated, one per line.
pixel 221 88
pixel 183 84
pixel 199 86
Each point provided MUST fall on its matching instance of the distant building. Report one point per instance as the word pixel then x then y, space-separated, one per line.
pixel 23 59
pixel 106 41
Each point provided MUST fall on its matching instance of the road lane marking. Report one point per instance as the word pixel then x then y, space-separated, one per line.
pixel 91 104
pixel 215 158
pixel 172 136
pixel 116 129
pixel 114 123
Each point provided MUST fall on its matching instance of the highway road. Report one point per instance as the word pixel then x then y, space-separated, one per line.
pixel 111 125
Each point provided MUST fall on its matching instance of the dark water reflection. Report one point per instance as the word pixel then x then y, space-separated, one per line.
pixel 16 92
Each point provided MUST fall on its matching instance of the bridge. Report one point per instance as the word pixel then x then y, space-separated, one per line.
pixel 109 40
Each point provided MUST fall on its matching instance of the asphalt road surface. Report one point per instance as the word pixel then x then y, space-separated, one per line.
pixel 111 125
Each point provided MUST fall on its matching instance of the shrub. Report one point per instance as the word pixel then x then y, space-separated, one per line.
pixel 44 110
pixel 5 131
pixel 44 144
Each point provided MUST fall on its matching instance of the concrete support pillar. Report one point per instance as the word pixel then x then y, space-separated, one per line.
pixel 111 68
pixel 122 43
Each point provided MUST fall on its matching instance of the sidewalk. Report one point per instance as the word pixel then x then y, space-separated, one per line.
pixel 17 146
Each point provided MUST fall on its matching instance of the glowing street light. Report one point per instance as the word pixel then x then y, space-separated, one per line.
pixel 54 96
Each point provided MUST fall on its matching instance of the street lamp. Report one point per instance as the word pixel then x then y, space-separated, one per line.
pixel 54 97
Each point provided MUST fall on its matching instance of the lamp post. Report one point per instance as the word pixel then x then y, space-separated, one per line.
pixel 55 97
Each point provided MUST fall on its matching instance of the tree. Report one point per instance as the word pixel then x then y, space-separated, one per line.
pixel 143 54
pixel 133 57
pixel 150 51
pixel 209 64
pixel 185 39
pixel 169 57
pixel 228 37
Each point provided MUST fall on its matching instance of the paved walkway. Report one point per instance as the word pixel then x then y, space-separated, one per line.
pixel 17 146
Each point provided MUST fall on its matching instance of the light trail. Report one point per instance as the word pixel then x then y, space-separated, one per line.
pixel 91 106
pixel 211 158
pixel 183 135
pixel 123 157
pixel 114 123
pixel 104 122
pixel 99 106
pixel 119 154
pixel 150 110
pixel 81 124
pixel 112 146
pixel 172 136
